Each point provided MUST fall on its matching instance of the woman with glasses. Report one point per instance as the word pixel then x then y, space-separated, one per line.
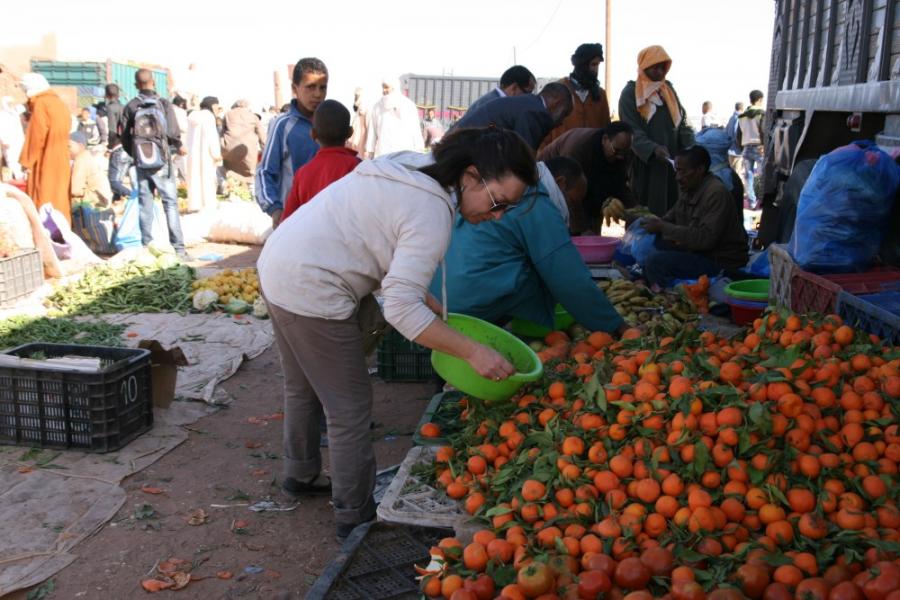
pixel 385 225
pixel 525 264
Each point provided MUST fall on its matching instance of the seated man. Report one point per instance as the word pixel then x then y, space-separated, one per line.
pixel 524 264
pixel 89 184
pixel 703 234
pixel 605 156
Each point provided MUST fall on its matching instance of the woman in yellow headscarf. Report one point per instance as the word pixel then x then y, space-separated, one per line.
pixel 651 106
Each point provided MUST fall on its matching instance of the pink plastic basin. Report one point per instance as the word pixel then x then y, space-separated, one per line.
pixel 596 249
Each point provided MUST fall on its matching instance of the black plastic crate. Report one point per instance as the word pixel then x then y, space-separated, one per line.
pixel 20 275
pixel 402 360
pixel 96 411
pixel 377 562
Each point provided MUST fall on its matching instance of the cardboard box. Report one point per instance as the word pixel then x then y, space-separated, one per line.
pixel 164 369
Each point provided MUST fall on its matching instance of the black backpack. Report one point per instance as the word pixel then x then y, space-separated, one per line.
pixel 151 146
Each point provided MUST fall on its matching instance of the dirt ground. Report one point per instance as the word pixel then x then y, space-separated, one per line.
pixel 230 458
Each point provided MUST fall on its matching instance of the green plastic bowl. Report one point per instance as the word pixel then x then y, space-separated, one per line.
pixel 529 329
pixel 749 289
pixel 463 377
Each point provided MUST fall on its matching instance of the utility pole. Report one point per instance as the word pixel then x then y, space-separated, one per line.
pixel 608 53
pixel 279 97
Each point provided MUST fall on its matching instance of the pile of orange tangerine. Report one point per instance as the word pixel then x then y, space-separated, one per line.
pixel 685 468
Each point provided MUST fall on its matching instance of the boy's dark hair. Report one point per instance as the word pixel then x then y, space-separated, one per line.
pixel 331 122
pixel 307 65
pixel 494 152
pixel 738 106
pixel 696 155
pixel 179 102
pixel 516 74
pixel 111 91
pixel 563 166
pixel 617 127
pixel 755 95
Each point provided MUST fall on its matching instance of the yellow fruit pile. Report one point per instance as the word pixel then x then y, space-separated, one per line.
pixel 231 284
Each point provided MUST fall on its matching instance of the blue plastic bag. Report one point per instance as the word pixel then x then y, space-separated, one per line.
pixel 128 232
pixel 716 141
pixel 638 242
pixel 759 265
pixel 843 209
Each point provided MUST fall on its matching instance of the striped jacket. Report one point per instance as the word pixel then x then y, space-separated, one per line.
pixel 289 146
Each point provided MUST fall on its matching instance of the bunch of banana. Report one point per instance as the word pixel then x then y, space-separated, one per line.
pixel 662 313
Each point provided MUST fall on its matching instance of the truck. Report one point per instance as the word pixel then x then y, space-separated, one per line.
pixel 450 95
pixel 834 78
pixel 86 80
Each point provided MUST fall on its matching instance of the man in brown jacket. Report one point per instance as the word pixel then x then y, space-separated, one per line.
pixel 45 155
pixel 243 137
pixel 703 234
pixel 590 107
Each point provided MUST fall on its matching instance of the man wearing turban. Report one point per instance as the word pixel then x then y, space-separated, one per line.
pixel 590 107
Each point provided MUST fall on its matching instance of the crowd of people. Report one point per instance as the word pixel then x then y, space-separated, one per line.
pixel 475 219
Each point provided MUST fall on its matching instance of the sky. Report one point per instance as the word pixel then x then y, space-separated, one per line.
pixel 720 48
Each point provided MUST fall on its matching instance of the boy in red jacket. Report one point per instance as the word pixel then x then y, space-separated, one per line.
pixel 331 129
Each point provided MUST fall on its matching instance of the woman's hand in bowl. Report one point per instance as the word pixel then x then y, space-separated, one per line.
pixel 489 363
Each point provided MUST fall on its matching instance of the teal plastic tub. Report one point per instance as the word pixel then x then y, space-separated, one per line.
pixel 463 377
pixel 529 329
pixel 756 290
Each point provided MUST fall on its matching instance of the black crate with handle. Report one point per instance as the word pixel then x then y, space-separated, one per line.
pixel 43 406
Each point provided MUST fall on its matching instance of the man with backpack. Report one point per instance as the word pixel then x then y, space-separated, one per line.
pixel 151 136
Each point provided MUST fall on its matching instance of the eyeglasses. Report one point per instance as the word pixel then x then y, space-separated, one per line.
pixel 496 207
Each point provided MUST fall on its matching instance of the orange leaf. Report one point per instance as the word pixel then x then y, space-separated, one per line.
pixel 155 585
pixel 149 489
pixel 224 575
pixel 132 334
pixel 25 469
pixel 259 472
pixel 251 444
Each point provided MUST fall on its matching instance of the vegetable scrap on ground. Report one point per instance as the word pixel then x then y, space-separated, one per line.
pixel 683 467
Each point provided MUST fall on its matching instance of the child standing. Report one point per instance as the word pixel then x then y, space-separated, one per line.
pixel 331 129
pixel 289 145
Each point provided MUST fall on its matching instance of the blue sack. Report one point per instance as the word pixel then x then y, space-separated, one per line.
pixel 638 243
pixel 843 209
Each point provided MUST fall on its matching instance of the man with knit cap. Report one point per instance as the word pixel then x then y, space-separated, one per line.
pixel 45 155
pixel 590 107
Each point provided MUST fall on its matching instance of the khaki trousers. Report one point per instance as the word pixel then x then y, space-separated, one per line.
pixel 324 364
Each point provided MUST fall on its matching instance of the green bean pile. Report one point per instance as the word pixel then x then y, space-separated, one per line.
pixel 131 288
pixel 16 331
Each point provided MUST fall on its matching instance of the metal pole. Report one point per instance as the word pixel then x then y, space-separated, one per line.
pixel 608 54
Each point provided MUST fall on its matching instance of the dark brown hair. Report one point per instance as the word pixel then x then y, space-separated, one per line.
pixel 494 152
